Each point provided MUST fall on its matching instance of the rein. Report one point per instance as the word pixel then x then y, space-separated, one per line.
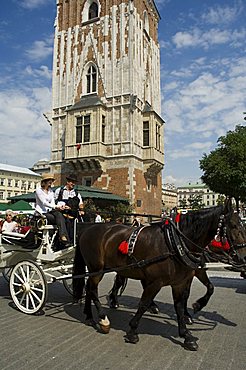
pixel 137 264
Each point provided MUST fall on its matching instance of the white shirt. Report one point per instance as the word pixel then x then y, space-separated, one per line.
pixel 66 195
pixel 9 226
pixel 98 218
pixel 45 202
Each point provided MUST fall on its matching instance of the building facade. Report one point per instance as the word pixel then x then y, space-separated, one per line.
pixel 186 192
pixel 42 166
pixel 16 181
pixel 106 109
pixel 169 198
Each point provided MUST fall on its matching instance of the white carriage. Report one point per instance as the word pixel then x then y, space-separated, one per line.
pixel 30 262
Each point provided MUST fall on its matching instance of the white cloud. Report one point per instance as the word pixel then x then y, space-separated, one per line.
pixel 222 15
pixel 197 38
pixel 24 131
pixel 200 110
pixel 200 145
pixel 42 72
pixel 162 2
pixel 32 4
pixel 40 50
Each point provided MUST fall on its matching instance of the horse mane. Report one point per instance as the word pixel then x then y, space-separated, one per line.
pixel 195 223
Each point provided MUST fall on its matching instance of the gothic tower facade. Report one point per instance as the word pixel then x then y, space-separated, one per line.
pixel 106 105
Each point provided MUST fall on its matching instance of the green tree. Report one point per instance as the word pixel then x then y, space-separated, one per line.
pixel 195 201
pixel 225 167
pixel 183 203
pixel 220 200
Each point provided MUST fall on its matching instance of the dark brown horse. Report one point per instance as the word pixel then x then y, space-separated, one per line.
pixel 236 256
pixel 158 262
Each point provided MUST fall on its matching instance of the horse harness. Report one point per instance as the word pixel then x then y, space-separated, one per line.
pixel 175 243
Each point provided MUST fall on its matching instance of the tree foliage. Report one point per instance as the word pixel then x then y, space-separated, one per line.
pixel 225 167
pixel 195 201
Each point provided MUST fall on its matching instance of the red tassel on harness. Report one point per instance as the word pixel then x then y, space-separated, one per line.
pixel 123 247
pixel 225 246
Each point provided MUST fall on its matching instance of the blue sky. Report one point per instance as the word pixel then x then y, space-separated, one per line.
pixel 203 79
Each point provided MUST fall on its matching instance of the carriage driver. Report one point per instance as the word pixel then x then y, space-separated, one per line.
pixel 46 207
pixel 69 197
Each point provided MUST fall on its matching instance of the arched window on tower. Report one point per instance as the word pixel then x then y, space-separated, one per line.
pixel 91 80
pixel 146 22
pixel 93 11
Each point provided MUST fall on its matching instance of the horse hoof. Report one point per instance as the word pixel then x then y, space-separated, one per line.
pixel 154 309
pixel 113 305
pixel 104 325
pixel 90 322
pixel 105 329
pixel 190 345
pixel 188 320
pixel 131 338
pixel 196 307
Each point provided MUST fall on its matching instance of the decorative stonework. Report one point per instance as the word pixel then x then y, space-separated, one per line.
pixel 120 44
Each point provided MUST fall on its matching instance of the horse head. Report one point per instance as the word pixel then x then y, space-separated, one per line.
pixel 233 226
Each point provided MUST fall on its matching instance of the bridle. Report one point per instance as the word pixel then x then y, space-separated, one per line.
pixel 222 236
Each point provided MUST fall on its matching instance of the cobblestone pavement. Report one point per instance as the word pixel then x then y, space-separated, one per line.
pixel 58 339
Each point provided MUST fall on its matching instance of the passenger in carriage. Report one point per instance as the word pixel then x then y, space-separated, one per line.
pixel 71 199
pixel 9 224
pixel 46 207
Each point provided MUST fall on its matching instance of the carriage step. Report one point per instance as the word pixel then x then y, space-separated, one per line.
pixel 216 265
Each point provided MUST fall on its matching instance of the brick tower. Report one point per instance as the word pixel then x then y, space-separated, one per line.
pixel 106 106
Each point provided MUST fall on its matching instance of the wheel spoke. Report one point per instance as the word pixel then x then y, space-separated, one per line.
pixel 18 277
pixel 23 273
pixel 27 273
pixel 27 301
pixel 32 300
pixel 18 292
pixel 36 296
pixel 22 298
pixel 37 289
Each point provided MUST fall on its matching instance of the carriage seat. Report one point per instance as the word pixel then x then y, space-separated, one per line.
pixel 15 235
pixel 41 223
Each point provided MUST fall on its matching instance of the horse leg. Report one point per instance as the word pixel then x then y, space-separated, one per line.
pixel 202 276
pixel 119 282
pixel 87 307
pixel 93 295
pixel 179 298
pixel 187 317
pixel 148 295
pixel 153 308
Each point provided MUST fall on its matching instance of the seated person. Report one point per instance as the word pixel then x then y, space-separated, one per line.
pixel 9 224
pixel 69 196
pixel 46 207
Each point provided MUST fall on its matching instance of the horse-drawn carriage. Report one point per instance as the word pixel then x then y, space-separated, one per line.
pixel 32 260
pixel 162 255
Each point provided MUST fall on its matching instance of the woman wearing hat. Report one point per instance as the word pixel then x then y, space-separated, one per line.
pixel 45 206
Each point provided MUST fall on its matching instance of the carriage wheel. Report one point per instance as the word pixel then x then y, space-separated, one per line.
pixel 68 285
pixel 28 287
pixel 6 273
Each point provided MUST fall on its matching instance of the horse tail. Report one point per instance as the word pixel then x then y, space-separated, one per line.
pixel 79 268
